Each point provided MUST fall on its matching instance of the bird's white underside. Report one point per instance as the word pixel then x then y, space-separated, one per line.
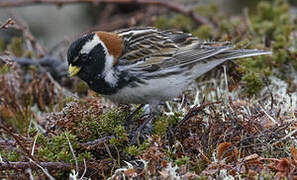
pixel 163 89
pixel 154 91
pixel 157 90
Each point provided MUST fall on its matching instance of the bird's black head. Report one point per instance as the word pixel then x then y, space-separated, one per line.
pixel 86 57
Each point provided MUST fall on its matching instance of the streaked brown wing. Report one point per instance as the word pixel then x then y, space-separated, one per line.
pixel 145 45
pixel 150 49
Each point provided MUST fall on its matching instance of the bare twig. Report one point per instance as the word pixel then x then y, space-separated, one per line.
pixel 7 142
pixel 270 93
pixel 45 171
pixel 73 154
pixel 292 133
pixel 92 144
pixel 85 170
pixel 192 112
pixel 7 24
pixel 18 141
pixel 165 3
pixel 33 146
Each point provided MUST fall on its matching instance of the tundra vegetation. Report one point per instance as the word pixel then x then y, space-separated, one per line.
pixel 237 121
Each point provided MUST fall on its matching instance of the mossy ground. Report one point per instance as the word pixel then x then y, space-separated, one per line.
pixel 245 130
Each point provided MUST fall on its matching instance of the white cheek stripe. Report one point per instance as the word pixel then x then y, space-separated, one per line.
pixel 90 45
pixel 108 72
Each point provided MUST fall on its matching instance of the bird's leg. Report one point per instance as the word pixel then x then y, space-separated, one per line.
pixel 151 113
pixel 129 118
pixel 139 132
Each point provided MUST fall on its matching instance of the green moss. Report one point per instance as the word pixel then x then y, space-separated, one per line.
pixel 160 126
pixel 184 160
pixel 107 123
pixel 266 175
pixel 179 22
pixel 16 47
pixel 2 45
pixel 5 69
pixel 84 156
pixel 57 149
pixel 253 83
pixel 162 22
pixel 137 150
pixel 204 32
pixel 121 132
pixel 208 10
pixel 29 54
pixel 163 122
pixel 265 10
pixel 11 156
pixel 225 26
pixel 82 87
pixel 133 150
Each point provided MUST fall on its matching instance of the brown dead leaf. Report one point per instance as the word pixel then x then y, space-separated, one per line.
pixel 293 153
pixel 189 175
pixel 284 165
pixel 130 173
pixel 252 173
pixel 272 166
pixel 164 163
pixel 209 171
pixel 251 157
pixel 6 112
pixel 183 169
pixel 226 150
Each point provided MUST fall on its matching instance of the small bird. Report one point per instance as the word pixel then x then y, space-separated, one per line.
pixel 145 65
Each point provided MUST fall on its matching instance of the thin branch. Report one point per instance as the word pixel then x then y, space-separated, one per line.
pixel 192 112
pixel 92 144
pixel 7 142
pixel 85 170
pixel 179 8
pixel 8 23
pixel 45 171
pixel 19 140
pixel 292 133
pixel 73 154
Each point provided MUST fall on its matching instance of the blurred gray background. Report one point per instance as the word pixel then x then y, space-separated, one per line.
pixel 50 24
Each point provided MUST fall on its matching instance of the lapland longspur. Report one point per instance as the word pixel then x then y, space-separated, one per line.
pixel 146 65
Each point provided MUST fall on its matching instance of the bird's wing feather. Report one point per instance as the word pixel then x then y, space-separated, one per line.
pixel 144 44
pixel 149 50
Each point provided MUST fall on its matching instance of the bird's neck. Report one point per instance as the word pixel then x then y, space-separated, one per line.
pixel 103 83
pixel 109 82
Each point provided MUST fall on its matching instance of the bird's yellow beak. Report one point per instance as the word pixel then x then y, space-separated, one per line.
pixel 73 70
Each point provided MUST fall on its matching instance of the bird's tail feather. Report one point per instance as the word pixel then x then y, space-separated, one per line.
pixel 241 53
pixel 201 68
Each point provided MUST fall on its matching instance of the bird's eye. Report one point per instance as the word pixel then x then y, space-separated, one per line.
pixel 84 57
